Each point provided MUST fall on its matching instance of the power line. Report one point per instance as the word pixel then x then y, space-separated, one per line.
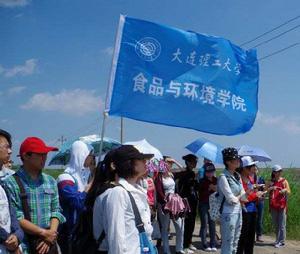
pixel 279 51
pixel 277 36
pixel 269 31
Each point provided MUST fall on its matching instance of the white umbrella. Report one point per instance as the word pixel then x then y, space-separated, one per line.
pixel 144 147
pixel 156 163
pixel 256 153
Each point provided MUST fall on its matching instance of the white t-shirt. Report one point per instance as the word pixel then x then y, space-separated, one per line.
pixel 168 185
pixel 4 216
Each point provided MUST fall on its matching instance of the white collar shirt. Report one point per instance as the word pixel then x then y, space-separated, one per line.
pixel 121 232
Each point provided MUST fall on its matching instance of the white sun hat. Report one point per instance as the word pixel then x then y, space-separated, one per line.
pixel 248 161
pixel 276 168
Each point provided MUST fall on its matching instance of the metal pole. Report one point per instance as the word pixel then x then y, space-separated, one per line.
pixel 122 129
pixel 111 79
pixel 105 114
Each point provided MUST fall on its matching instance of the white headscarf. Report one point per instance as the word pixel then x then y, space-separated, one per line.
pixel 79 153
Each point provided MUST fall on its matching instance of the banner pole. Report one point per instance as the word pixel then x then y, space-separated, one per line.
pixel 111 80
pixel 122 131
pixel 105 115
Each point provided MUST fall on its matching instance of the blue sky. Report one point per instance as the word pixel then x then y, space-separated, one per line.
pixel 55 59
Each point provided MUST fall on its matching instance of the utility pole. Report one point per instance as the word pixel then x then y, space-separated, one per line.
pixel 62 140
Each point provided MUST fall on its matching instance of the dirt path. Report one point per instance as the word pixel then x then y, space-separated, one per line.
pixel 267 247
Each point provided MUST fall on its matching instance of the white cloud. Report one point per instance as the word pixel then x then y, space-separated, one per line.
pixel 13 3
pixel 108 51
pixel 72 102
pixel 15 90
pixel 288 124
pixel 3 121
pixel 24 70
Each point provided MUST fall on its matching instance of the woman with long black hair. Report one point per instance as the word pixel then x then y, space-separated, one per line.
pixel 105 179
pixel 120 224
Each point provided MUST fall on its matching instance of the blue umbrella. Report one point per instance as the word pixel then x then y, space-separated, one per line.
pixel 256 153
pixel 207 149
pixel 63 156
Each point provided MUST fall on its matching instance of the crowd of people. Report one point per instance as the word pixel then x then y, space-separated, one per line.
pixel 119 206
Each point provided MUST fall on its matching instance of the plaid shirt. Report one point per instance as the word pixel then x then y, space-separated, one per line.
pixel 43 200
pixel 42 195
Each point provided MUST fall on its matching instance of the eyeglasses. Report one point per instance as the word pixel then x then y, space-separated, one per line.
pixel 6 146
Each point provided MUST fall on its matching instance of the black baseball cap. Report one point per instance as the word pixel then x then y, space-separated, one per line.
pixel 230 153
pixel 190 157
pixel 209 167
pixel 129 152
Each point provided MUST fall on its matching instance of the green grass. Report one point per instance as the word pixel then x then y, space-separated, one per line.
pixel 49 171
pixel 53 172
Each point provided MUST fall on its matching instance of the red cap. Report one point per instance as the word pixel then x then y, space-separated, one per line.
pixel 35 145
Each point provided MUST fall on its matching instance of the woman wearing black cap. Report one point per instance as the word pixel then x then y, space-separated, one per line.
pixel 120 227
pixel 231 191
pixel 207 186
pixel 187 188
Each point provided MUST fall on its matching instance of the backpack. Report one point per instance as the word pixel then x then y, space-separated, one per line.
pixel 82 240
pixel 278 201
pixel 216 204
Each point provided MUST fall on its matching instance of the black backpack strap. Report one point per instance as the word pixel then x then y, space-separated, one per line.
pixel 24 197
pixel 223 200
pixel 26 210
pixel 100 239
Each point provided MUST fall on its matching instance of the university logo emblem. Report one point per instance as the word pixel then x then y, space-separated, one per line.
pixel 148 49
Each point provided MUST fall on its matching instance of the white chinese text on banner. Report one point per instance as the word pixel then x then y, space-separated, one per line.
pixel 173 77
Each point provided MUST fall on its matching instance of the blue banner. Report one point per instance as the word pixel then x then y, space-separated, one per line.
pixel 173 77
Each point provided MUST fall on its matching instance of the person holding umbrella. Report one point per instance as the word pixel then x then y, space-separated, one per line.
pixel 201 171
